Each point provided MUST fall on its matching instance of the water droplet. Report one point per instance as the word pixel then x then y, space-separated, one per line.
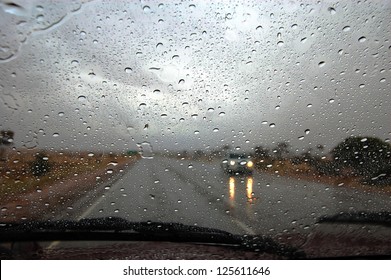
pixel 222 114
pixel 321 64
pixel 332 10
pixel 307 131
pixel 346 28
pixel 81 98
pixel 128 70
pixel 145 149
pixel 74 62
pixel 56 134
pixel 309 105
pixel 61 114
pixel 215 129
pixel 13 8
pixel 181 82
pixel 109 171
pixel 301 137
pixel 280 43
pixel 364 139
pixel 362 85
pixel 196 132
pixel 259 27
pixel 272 125
pixel 146 9
pixel 362 39
pixel 303 40
pixel 331 100
pixel 190 166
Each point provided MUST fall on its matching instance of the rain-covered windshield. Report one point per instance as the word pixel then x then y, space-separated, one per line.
pixel 129 109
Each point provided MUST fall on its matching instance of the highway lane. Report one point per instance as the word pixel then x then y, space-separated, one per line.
pixel 200 193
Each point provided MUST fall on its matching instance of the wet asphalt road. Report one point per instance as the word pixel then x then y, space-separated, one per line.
pixel 200 193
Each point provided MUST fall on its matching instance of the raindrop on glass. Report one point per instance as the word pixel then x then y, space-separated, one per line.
pixel 321 64
pixel 362 39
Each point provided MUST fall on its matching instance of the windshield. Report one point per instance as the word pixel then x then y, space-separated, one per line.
pixel 128 109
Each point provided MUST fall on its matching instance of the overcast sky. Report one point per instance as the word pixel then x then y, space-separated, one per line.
pixel 194 75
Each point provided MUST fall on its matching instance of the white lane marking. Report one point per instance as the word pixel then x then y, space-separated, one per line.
pixel 53 244
pixel 85 214
pixel 115 185
pixel 92 207
pixel 244 227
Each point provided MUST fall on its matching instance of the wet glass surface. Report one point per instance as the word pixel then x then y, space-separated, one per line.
pixel 136 110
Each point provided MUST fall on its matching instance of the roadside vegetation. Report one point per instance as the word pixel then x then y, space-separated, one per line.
pixel 24 171
pixel 356 162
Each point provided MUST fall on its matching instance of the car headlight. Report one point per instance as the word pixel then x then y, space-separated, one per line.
pixel 232 162
pixel 250 164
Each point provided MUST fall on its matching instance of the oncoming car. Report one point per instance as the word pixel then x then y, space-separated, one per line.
pixel 238 163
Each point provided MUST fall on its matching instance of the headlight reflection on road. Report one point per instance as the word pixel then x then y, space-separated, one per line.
pixel 231 188
pixel 249 189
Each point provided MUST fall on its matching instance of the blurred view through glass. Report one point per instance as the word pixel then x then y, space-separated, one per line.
pixel 253 117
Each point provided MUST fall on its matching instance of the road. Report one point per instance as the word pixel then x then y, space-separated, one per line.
pixel 200 193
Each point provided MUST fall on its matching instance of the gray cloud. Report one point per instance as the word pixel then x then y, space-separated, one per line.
pixel 112 75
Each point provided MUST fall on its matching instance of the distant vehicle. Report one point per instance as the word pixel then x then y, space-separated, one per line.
pixel 238 163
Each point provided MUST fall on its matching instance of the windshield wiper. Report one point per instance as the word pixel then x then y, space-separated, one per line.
pixel 119 229
pixel 362 217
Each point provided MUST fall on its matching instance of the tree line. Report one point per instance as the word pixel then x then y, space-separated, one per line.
pixel 367 157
